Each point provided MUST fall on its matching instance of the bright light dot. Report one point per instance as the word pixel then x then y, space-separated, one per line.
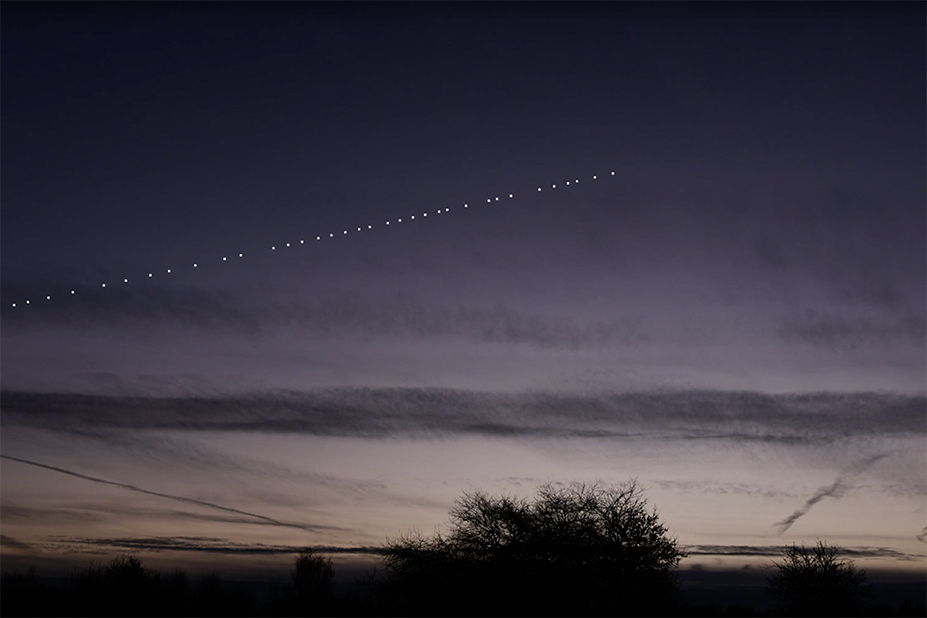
pixel 104 285
pixel 553 186
pixel 72 291
pixel 302 242
pixel 14 304
pixel 593 177
pixel 613 173
pixel 358 229
pixel 224 259
pixel 465 205
pixel 240 255
pixel 413 216
pixel 27 302
pixel 331 235
pixel 387 223
pixel 149 274
pixel 488 200
pixel 48 298
pixel 497 198
pixel 194 266
pixel 400 220
pixel 539 188
pixel 126 280
pixel 273 248
pixel 369 227
pixel 577 180
pixel 510 195
pixel 424 214
pixel 168 270
pixel 318 238
pixel 345 231
pixel 447 210
pixel 439 211
pixel 568 183
pixel 288 244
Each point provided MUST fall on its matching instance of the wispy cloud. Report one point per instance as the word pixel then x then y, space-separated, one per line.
pixel 105 513
pixel 834 490
pixel 224 546
pixel 213 545
pixel 713 487
pixel 184 499
pixel 12 543
pixel 213 310
pixel 775 551
pixel 828 330
pixel 343 314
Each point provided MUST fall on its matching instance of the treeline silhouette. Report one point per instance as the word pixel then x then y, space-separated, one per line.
pixel 579 550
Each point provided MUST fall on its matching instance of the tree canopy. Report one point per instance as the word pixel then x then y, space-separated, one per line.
pixel 579 549
pixel 815 582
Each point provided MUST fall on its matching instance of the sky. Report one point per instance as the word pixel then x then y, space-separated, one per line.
pixel 299 275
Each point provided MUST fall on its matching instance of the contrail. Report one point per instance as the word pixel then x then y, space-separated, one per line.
pixel 227 509
pixel 835 489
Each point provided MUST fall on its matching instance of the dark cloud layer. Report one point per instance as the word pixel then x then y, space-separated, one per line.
pixel 827 330
pixel 212 545
pixel 777 551
pixel 225 546
pixel 377 413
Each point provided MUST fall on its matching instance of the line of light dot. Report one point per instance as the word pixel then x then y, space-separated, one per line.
pixel 319 238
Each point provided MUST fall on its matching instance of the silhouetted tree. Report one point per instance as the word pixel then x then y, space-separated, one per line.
pixel 815 582
pixel 572 550
pixel 121 588
pixel 312 578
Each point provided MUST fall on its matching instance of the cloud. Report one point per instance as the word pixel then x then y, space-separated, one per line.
pixel 834 490
pixel 712 487
pixel 214 310
pixel 776 551
pixel 214 545
pixel 167 451
pixel 322 314
pixel 11 543
pixel 744 417
pixel 211 505
pixel 105 512
pixel 827 330
pixel 224 546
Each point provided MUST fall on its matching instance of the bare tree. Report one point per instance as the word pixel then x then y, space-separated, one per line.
pixel 815 582
pixel 584 549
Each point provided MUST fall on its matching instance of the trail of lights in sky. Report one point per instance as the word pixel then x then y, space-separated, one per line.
pixel 302 241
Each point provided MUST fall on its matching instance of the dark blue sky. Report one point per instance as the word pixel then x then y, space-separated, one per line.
pixel 133 133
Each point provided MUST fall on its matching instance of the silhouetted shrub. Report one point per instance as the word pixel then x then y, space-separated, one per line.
pixel 573 550
pixel 814 582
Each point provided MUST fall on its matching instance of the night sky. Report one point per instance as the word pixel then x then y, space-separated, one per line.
pixel 678 243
